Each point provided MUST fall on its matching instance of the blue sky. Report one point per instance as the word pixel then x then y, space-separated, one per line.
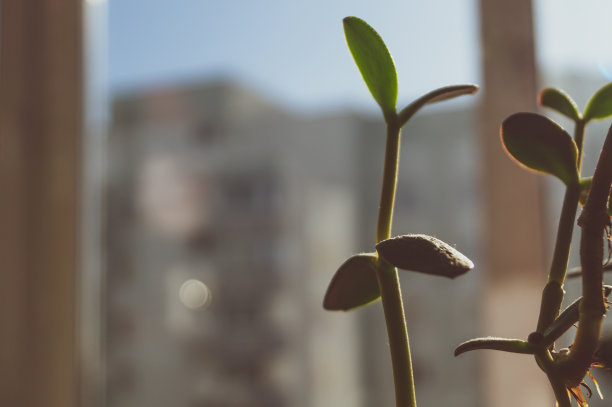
pixel 295 53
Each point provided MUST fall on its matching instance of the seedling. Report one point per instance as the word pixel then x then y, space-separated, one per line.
pixel 535 142
pixel 539 144
pixel 366 277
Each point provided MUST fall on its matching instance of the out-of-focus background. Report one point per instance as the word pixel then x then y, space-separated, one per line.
pixel 202 168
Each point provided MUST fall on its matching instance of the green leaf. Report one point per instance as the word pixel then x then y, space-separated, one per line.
pixel 374 62
pixel 600 104
pixel 438 95
pixel 424 254
pixel 503 344
pixel 540 144
pixel 560 101
pixel 354 284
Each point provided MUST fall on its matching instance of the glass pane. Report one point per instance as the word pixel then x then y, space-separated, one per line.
pixel 243 160
pixel 234 155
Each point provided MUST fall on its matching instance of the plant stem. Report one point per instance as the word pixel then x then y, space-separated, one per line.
pixel 579 139
pixel 564 234
pixel 389 182
pixel 552 296
pixel 388 279
pixel 593 220
pixel 553 293
pixel 546 363
pixel 561 394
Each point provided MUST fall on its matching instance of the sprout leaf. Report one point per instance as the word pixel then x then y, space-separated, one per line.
pixel 600 104
pixel 540 144
pixel 354 284
pixel 374 62
pixel 424 254
pixel 437 95
pixel 560 101
pixel 503 344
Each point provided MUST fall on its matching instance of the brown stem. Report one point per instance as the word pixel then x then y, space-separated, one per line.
pixel 593 221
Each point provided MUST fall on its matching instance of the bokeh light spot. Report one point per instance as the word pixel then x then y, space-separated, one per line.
pixel 194 294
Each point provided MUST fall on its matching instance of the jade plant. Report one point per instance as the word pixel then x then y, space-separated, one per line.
pixel 535 142
pixel 538 143
pixel 366 277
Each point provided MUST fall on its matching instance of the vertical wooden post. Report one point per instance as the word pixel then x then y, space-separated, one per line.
pixel 512 205
pixel 40 129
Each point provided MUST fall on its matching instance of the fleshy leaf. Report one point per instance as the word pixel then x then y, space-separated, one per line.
pixel 600 104
pixel 438 95
pixel 354 284
pixel 491 343
pixel 560 101
pixel 374 62
pixel 540 144
pixel 424 254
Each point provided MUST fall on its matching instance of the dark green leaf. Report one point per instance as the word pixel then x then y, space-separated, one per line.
pixel 503 344
pixel 438 95
pixel 542 145
pixel 600 104
pixel 374 62
pixel 354 284
pixel 424 254
pixel 560 101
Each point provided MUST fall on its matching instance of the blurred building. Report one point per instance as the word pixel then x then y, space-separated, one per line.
pixel 227 218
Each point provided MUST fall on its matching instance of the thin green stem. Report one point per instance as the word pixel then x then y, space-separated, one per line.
pixel 398 335
pixel 388 279
pixel 552 296
pixel 389 182
pixel 579 139
pixel 564 234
